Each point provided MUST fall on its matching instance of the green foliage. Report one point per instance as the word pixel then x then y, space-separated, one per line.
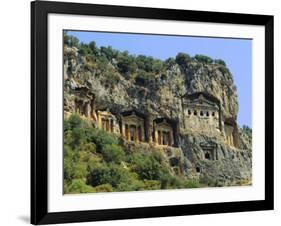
pixel 79 186
pixel 203 59
pixel 126 63
pixel 110 78
pixel 71 41
pixel 108 52
pixel 94 161
pixel 219 61
pixel 192 184
pixel 143 78
pixel 157 66
pixel 170 62
pixel 69 167
pixel 85 50
pixel 74 121
pixel 113 153
pixel 112 174
pixel 93 47
pixel 100 138
pixel 103 188
pixel 90 66
pixel 102 63
pixel 152 185
pixel 224 70
pixel 247 130
pixel 65 38
pixel 144 63
pixel 183 59
pixel 147 166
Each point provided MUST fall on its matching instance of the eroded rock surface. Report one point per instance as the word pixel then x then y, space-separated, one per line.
pixel 208 144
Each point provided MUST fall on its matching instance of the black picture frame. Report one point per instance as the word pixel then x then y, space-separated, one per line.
pixel 39 112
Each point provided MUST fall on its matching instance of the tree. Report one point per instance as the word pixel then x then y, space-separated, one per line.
pixel 93 47
pixel 65 38
pixel 219 61
pixel 126 64
pixel 144 63
pixel 183 59
pixel 170 62
pixel 74 121
pixel 73 41
pixel 108 52
pixel 203 59
pixel 113 153
pixel 157 65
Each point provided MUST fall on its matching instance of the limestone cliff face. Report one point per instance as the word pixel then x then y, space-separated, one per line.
pixel 217 157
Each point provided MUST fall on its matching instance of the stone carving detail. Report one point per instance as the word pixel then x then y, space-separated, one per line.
pixel 106 121
pixel 207 112
pixel 209 149
pixel 202 112
pixel 132 126
pixel 163 132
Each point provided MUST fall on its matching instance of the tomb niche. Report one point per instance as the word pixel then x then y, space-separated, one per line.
pixel 84 103
pixel 132 126
pixel 164 132
pixel 209 150
pixel 201 112
pixel 231 132
pixel 105 120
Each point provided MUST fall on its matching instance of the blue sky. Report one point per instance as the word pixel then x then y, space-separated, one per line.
pixel 237 53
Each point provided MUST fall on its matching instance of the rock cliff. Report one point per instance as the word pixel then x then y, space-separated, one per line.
pixel 216 157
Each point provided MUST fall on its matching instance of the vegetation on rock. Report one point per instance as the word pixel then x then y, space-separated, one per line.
pixel 95 161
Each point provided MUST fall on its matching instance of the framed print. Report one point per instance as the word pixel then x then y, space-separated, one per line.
pixel 145 112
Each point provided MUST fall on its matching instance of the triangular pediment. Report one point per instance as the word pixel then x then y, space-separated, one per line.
pixel 208 144
pixel 201 99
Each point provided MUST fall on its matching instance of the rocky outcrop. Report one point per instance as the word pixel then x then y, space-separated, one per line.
pixel 207 155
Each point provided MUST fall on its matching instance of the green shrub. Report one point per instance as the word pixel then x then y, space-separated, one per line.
pixel 224 70
pixel 89 147
pixel 113 153
pixel 109 174
pixel 182 59
pixel 147 166
pixel 80 170
pixel 100 138
pixel 169 63
pixel 103 188
pixel 131 185
pixel 108 52
pixel 143 78
pixel 203 59
pixel 152 184
pixel 74 121
pixel 100 174
pixel 192 184
pixel 144 63
pixel 110 78
pixel 93 47
pixel 157 66
pixel 71 40
pixel 77 137
pixel 219 61
pixel 90 66
pixel 68 169
pixel 79 186
pixel 126 64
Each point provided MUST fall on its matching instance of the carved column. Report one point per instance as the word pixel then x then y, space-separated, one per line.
pixel 87 110
pixel 129 132
pixel 171 137
pixel 156 136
